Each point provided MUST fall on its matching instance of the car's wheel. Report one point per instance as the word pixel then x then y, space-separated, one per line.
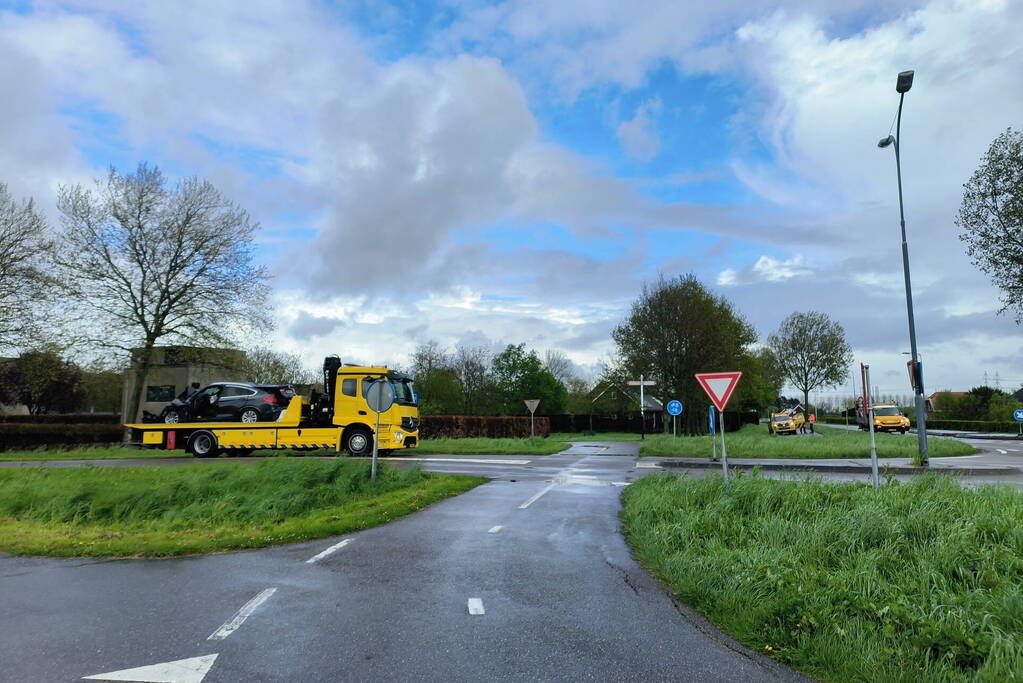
pixel 171 417
pixel 249 415
pixel 358 442
pixel 203 444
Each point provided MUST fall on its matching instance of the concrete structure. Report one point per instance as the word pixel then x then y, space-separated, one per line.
pixel 175 367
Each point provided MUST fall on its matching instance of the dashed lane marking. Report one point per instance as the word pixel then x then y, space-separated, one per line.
pixel 495 529
pixel 475 606
pixel 329 551
pixel 1002 451
pixel 537 496
pixel 244 613
pixel 480 461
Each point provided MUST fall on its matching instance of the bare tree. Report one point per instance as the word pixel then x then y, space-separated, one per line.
pixel 810 350
pixel 23 281
pixel 427 357
pixel 266 366
pixel 148 263
pixel 471 365
pixel 558 364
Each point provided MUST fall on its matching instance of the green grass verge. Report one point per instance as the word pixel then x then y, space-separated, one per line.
pixel 599 436
pixel 481 446
pixel 160 512
pixel 753 441
pixel 917 581
pixel 88 453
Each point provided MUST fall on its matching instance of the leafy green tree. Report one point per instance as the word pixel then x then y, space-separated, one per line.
pixel 519 375
pixel 42 381
pixel 676 329
pixel 811 352
pixel 440 392
pixel 990 218
pixel 761 382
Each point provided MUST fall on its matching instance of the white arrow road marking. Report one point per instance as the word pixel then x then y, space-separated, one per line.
pixel 238 619
pixel 494 529
pixel 181 671
pixel 1002 451
pixel 332 549
pixel 648 465
pixel 476 607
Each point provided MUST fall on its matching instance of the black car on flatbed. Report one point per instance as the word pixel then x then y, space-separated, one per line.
pixel 229 402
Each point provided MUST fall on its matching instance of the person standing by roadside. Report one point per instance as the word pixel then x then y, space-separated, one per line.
pixel 811 418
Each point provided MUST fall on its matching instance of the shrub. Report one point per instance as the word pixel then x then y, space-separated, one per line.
pixel 73 418
pixel 461 426
pixel 18 435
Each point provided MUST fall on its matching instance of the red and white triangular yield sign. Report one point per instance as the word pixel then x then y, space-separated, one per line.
pixel 719 386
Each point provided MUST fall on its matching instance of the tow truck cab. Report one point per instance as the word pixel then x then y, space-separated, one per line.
pixel 339 419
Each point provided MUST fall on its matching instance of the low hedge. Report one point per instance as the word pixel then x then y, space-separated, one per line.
pixel 75 418
pixel 461 426
pixel 15 436
pixel 970 425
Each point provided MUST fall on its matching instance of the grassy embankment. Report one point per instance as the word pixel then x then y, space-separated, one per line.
pixel 753 441
pixel 483 446
pixel 917 581
pixel 554 443
pixel 159 511
pixel 88 453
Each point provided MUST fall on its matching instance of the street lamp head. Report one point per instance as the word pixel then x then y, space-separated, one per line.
pixel 884 142
pixel 905 82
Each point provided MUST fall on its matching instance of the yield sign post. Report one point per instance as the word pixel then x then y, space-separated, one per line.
pixel 531 404
pixel 719 387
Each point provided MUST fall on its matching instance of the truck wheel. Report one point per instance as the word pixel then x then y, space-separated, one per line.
pixel 203 444
pixel 358 442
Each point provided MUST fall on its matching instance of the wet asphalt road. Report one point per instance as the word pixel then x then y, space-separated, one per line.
pixel 562 597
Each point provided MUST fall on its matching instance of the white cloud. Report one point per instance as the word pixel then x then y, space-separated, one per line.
pixel 765 269
pixel 638 135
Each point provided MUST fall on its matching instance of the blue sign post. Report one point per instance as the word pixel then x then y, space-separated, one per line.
pixel 1017 415
pixel 713 441
pixel 674 408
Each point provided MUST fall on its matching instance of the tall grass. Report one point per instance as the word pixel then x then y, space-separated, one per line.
pixel 165 511
pixel 753 441
pixel 917 581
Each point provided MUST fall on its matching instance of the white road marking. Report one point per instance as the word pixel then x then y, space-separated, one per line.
pixel 537 496
pixel 648 465
pixel 495 529
pixel 620 483
pixel 476 607
pixel 1014 450
pixel 181 671
pixel 474 460
pixel 238 619
pixel 1002 451
pixel 332 549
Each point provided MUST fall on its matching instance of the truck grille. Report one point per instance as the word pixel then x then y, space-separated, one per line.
pixel 410 424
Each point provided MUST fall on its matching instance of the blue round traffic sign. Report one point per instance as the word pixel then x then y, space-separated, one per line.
pixel 1017 415
pixel 674 407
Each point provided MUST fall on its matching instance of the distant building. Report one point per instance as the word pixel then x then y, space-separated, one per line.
pixel 930 405
pixel 173 368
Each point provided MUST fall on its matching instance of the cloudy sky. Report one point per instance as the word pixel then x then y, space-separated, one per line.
pixel 478 172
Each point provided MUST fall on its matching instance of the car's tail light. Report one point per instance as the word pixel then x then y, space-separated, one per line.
pixel 270 398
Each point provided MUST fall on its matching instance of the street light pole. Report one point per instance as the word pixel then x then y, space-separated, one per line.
pixel 902 86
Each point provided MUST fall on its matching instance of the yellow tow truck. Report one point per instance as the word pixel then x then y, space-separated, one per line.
pixel 887 417
pixel 785 422
pixel 338 419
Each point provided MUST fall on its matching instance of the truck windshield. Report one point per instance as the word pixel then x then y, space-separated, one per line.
pixel 890 411
pixel 403 393
pixel 781 418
